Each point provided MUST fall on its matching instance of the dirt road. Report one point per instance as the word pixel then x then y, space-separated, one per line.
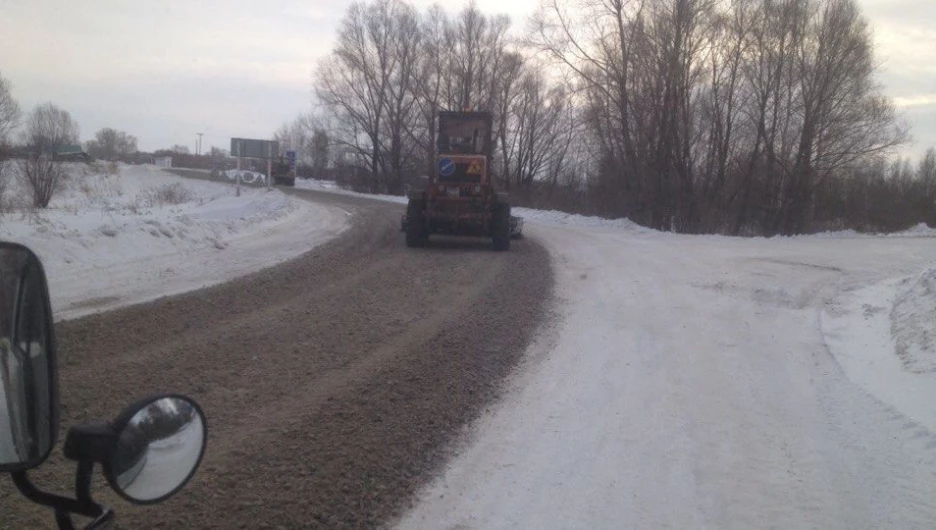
pixel 335 384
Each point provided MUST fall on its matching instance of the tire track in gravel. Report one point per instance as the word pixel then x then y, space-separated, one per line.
pixel 335 384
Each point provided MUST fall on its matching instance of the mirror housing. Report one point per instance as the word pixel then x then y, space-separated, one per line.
pixel 29 408
pixel 160 444
pixel 149 452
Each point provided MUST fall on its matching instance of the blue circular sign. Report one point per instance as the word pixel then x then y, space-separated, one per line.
pixel 446 167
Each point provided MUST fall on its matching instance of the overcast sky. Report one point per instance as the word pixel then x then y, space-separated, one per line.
pixel 164 70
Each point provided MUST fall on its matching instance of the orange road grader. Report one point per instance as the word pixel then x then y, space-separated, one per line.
pixel 460 198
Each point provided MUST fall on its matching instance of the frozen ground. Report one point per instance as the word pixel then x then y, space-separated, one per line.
pixel 114 240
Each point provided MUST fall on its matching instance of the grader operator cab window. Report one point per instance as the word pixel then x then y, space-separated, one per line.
pixel 467 136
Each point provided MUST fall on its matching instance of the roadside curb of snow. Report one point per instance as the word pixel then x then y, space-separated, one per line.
pixel 861 328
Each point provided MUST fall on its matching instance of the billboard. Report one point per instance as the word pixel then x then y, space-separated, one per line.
pixel 250 148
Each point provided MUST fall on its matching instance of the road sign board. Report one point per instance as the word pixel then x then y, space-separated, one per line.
pixel 251 148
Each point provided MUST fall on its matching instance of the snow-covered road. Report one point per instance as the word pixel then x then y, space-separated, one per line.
pixel 687 383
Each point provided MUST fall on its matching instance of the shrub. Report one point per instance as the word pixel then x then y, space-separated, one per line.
pixel 174 193
pixel 43 177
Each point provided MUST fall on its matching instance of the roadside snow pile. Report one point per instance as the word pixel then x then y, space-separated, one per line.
pixel 912 322
pixel 837 234
pixel 883 336
pixel 554 217
pixel 315 184
pixel 113 239
pixel 920 230
pixel 551 217
pixel 332 187
pixel 248 177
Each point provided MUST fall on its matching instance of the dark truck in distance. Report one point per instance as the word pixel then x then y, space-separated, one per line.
pixel 460 199
pixel 282 172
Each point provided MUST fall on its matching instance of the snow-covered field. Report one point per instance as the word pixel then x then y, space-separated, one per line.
pixel 110 240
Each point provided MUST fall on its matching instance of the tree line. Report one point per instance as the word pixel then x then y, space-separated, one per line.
pixel 736 117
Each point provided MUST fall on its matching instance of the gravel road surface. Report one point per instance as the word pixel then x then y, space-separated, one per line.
pixel 335 384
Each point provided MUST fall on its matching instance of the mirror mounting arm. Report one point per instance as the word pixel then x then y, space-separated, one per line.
pixel 63 520
pixel 84 507
pixel 83 482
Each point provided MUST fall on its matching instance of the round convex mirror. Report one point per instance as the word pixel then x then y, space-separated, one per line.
pixel 160 445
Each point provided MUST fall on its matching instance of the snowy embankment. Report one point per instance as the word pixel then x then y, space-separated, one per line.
pixel 884 336
pixel 110 240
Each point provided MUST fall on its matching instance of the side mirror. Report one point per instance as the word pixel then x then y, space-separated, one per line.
pixel 28 377
pixel 148 453
pixel 160 442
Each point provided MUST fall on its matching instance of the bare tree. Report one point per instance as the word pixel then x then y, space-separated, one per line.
pixel 352 82
pixel 295 136
pixel 749 116
pixel 537 133
pixel 43 177
pixel 368 86
pixel 9 120
pixel 926 173
pixel 718 115
pixel 111 144
pixel 842 117
pixel 320 152
pixel 9 111
pixel 48 129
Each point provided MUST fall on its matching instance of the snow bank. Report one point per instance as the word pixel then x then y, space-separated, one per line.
pixel 332 187
pixel 884 337
pixel 918 230
pixel 249 177
pixel 913 319
pixel 554 217
pixel 113 240
pixel 549 217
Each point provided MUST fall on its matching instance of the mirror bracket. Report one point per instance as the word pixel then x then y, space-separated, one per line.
pixel 90 443
pixel 85 507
